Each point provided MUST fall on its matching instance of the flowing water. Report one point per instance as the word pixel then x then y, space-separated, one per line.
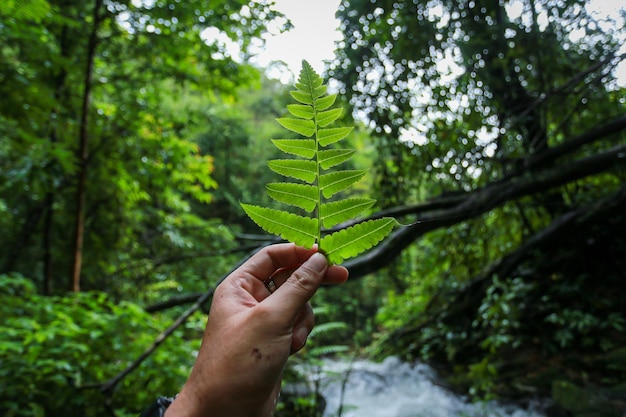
pixel 394 388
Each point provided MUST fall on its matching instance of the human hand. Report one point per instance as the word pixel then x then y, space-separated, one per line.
pixel 251 333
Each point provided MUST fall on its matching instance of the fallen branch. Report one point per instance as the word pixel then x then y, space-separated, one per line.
pixel 468 298
pixel 481 201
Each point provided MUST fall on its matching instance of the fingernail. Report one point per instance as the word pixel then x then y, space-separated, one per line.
pixel 299 337
pixel 317 262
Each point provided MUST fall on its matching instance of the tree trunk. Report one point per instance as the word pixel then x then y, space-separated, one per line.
pixel 61 98
pixel 83 152
pixel 47 244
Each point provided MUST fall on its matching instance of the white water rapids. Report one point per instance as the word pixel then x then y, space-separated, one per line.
pixel 394 388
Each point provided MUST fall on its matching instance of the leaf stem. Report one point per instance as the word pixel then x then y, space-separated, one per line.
pixel 318 209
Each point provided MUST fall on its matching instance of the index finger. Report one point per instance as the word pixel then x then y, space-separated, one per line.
pixel 336 274
pixel 274 257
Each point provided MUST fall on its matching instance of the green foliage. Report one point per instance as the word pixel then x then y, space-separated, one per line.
pixel 572 323
pixel 322 341
pixel 464 122
pixel 166 128
pixel 474 91
pixel 33 10
pixel 501 313
pixel 311 118
pixel 504 332
pixel 156 74
pixel 53 348
pixel 306 368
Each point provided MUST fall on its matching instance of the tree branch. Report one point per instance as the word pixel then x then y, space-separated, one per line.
pixel 480 201
pixel 473 291
pixel 452 209
pixel 573 81
pixel 572 145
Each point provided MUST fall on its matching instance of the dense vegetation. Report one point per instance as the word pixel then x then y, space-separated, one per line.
pixel 494 129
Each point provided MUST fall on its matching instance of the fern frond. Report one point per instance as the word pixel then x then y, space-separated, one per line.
pixel 323 103
pixel 320 351
pixel 315 183
pixel 302 97
pixel 329 136
pixel 327 117
pixel 332 183
pixel 295 168
pixel 304 127
pixel 333 213
pixel 301 110
pixel 327 327
pixel 333 157
pixel 299 195
pixel 305 148
pixel 349 242
pixel 292 227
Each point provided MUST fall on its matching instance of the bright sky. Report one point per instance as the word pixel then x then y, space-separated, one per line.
pixel 312 38
pixel 316 31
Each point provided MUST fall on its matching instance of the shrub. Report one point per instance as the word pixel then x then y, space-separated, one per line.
pixel 55 351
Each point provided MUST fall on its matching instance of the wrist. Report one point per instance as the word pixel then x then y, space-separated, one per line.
pixel 158 408
pixel 208 403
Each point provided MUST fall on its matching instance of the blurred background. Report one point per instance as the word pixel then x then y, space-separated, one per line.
pixel 130 131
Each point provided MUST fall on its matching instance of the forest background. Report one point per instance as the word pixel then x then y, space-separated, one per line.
pixel 127 139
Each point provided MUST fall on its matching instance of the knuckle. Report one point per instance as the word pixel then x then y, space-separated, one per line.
pixel 302 279
pixel 262 313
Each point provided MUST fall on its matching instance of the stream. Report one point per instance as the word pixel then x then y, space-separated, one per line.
pixel 394 388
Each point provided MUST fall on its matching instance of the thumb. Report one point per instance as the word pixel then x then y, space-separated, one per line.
pixel 300 286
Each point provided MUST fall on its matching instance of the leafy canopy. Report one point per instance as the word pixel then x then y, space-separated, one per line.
pixel 314 158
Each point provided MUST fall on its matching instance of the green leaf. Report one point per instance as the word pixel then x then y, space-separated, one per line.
pixel 301 110
pixel 303 127
pixel 319 91
pixel 300 147
pixel 299 195
pixel 322 103
pixel 332 157
pixel 321 351
pixel 303 98
pixel 327 327
pixel 295 168
pixel 327 117
pixel 332 135
pixel 310 119
pixel 337 181
pixel 336 212
pixel 308 79
pixel 350 242
pixel 297 229
pixel 34 10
